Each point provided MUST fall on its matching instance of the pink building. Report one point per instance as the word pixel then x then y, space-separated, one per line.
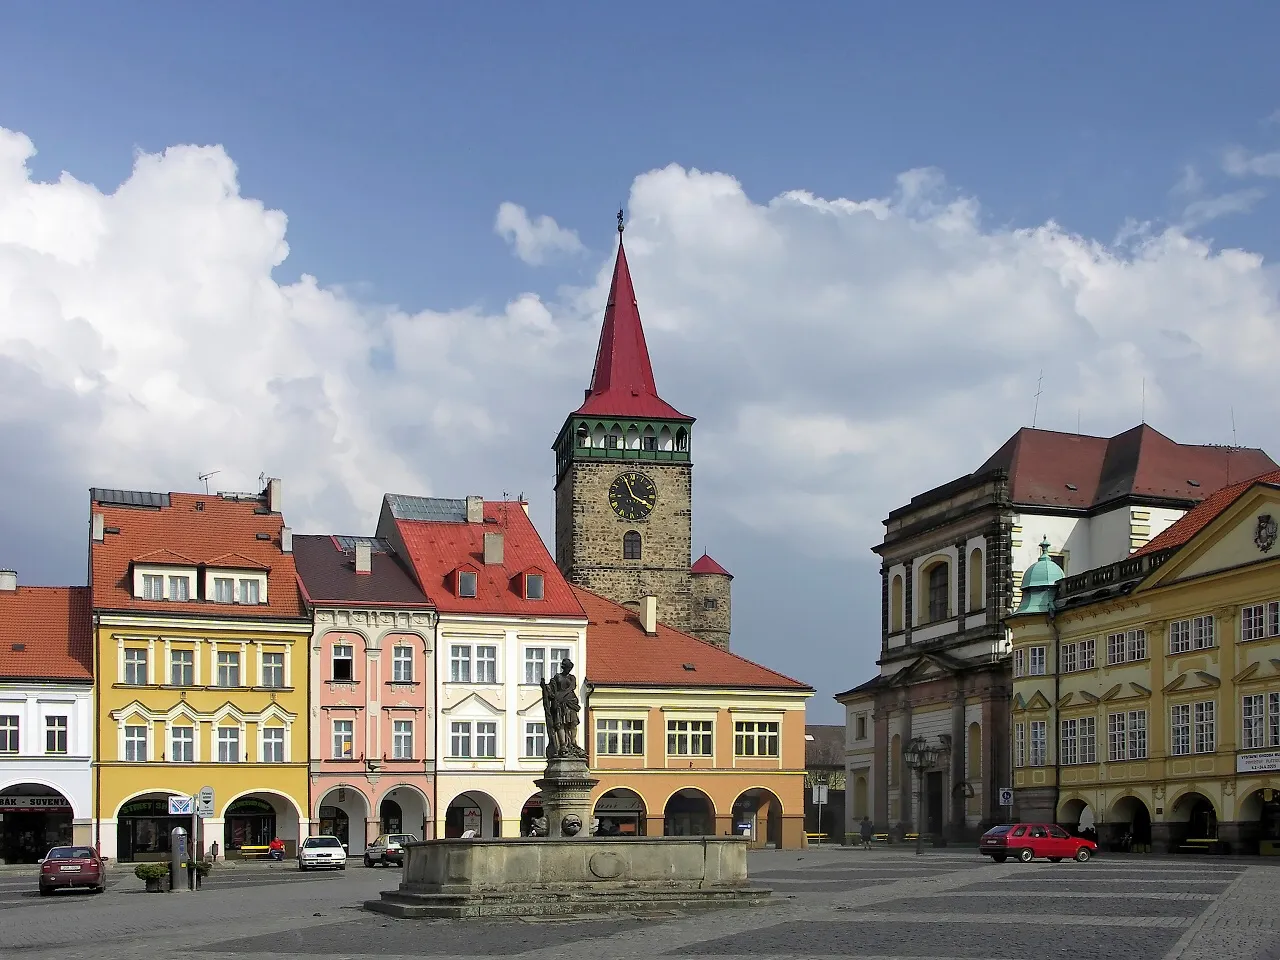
pixel 372 691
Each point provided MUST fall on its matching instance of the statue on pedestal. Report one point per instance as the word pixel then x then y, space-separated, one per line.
pixel 562 709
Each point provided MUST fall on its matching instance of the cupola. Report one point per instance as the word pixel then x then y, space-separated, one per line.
pixel 1039 583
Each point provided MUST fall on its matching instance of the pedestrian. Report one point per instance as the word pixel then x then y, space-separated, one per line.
pixel 866 830
pixel 275 850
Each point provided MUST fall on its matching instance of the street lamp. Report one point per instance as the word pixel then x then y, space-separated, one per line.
pixel 920 755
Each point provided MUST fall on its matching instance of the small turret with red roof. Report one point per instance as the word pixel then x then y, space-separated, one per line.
pixel 712 601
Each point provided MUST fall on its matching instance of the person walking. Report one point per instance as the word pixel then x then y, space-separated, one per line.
pixel 866 830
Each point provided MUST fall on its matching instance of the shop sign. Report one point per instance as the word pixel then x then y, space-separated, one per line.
pixel 1258 762
pixel 618 805
pixel 25 802
pixel 471 819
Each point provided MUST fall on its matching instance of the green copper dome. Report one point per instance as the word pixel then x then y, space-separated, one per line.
pixel 1038 582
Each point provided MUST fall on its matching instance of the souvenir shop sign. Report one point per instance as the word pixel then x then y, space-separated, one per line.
pixel 28 802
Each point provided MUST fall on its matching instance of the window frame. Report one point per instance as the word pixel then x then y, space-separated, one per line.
pixel 133 658
pixel 619 737
pixel 224 590
pixel 1034 662
pixel 336 656
pixel 277 739
pixel 224 742
pixel 632 545
pixel 57 734
pixel 1019 744
pixel 486 663
pixel 485 737
pixel 535 586
pixel 468 584
pixel 460 663
pixel 182 660
pixel 269 669
pixel 748 735
pixel 690 734
pixel 402 663
pixel 10 732
pixel 228 668
pixel 342 749
pixel 152 586
pixel 1037 743
pixel 187 741
pixel 938 592
pixel 402 739
pixel 133 739
pixel 176 595
pixel 532 737
pixel 460 736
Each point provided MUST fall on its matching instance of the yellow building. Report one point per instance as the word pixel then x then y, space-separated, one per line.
pixel 1147 692
pixel 200 664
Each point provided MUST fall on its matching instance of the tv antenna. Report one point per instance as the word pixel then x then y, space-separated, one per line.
pixel 204 478
pixel 1234 442
pixel 1144 399
pixel 1035 411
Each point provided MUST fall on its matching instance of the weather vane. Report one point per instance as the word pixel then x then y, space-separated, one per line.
pixel 621 222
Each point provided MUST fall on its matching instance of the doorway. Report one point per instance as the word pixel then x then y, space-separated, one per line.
pixel 933 794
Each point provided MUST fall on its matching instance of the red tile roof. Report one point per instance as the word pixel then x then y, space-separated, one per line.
pixel 622 382
pixel 704 565
pixel 436 548
pixel 1204 514
pixel 620 653
pixel 209 529
pixel 1045 465
pixel 53 625
pixel 328 575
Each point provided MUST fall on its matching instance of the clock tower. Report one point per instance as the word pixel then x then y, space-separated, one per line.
pixel 624 484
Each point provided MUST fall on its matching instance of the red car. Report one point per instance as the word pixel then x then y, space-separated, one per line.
pixel 66 867
pixel 1026 841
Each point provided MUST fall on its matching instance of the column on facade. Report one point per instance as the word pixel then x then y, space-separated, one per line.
pixel 995 762
pixel 959 747
pixel 962 585
pixel 906 775
pixel 880 780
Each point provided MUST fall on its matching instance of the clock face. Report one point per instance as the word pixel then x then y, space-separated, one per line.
pixel 632 496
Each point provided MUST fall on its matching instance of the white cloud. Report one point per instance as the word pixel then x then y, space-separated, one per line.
pixel 841 354
pixel 1240 162
pixel 1199 212
pixel 534 241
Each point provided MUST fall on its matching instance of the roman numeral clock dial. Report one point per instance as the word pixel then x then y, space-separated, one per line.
pixel 632 496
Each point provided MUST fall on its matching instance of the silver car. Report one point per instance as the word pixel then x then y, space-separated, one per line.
pixel 322 852
pixel 387 849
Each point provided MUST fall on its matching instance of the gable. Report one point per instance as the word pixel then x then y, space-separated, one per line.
pixel 1234 539
pixel 472 705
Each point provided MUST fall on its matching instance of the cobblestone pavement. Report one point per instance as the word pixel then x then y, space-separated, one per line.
pixel 879 905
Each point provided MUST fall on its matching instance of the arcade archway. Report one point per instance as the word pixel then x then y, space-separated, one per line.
pixel 621 813
pixel 474 812
pixel 757 813
pixel 33 818
pixel 344 813
pixel 689 813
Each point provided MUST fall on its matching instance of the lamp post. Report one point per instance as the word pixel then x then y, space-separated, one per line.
pixel 920 755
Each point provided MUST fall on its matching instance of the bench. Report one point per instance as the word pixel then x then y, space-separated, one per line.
pixel 819 837
pixel 1201 845
pixel 255 853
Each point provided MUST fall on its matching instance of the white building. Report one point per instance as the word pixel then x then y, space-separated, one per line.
pixel 46 719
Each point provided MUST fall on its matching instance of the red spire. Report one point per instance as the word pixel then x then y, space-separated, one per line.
pixel 622 382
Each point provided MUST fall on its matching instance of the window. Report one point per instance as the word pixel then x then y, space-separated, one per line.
pixel 460 738
pixel 182 668
pixel 228 668
pixel 152 586
pixel 228 744
pixel 535 664
pixel 402 739
pixel 1273 720
pixel 1067 748
pixel 343 739
pixel 1039 742
pixel 182 748
pixel 402 664
pixel 224 590
pixel 1077 656
pixel 1086 654
pixel 249 591
pixel 273 744
pixel 1137 734
pixel 649 443
pixel 1127 735
pixel 533 585
pixel 460 671
pixel 486 738
pixel 1019 745
pixel 755 738
pixel 1253 622
pixel 1180 729
pixel 1069 662
pixel 343 662
pixel 1019 662
pixel 1035 661
pixel 1253 722
pixel 466 583
pixel 860 727
pixel 1193 634
pixel 535 739
pixel 180 588
pixel 631 548
pixel 135 744
pixel 1079 741
pixel 8 734
pixel 689 738
pixel 1127 647
pixel 135 666
pixel 1205 738
pixel 624 738
pixel 939 588
pixel 273 670
pixel 486 664
pixel 1061 560
pixel 613 442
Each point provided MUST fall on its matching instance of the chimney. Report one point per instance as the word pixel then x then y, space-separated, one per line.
pixel 475 509
pixel 286 539
pixel 273 494
pixel 493 548
pixel 99 533
pixel 8 580
pixel 649 614
pixel 364 557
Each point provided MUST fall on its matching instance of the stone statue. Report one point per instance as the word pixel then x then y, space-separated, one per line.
pixel 561 707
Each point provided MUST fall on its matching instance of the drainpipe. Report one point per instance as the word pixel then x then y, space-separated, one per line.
pixel 1057 722
pixel 97 742
pixel 435 712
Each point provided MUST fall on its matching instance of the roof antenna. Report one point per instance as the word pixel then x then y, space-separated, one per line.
pixel 1234 442
pixel 1144 400
pixel 204 478
pixel 1035 412
pixel 1077 421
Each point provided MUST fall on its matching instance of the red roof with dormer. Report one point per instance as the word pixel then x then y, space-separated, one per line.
pixel 705 565
pixel 622 382
pixel 45 634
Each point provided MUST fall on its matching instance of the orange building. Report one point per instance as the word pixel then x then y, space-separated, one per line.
pixel 688 739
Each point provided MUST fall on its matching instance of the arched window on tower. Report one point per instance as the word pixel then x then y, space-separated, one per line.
pixel 631 545
pixel 939 592
pixel 682 440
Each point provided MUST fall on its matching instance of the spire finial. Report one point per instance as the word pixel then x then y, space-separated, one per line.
pixel 622 223
pixel 1044 546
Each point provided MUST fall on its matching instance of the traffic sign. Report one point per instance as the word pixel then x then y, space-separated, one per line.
pixel 181 806
pixel 819 793
pixel 1006 796
pixel 204 802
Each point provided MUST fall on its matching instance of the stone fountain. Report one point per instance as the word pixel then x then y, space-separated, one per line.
pixel 564 870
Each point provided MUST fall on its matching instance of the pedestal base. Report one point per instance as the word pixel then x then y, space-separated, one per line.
pixel 566 798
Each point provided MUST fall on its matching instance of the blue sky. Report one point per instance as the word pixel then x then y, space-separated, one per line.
pixel 389 139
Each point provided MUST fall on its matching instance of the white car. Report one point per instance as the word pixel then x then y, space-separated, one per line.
pixel 322 852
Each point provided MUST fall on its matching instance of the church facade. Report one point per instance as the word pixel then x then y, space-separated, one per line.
pixel 624 486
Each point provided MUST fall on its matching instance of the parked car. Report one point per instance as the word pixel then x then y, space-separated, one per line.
pixel 388 848
pixel 322 853
pixel 67 867
pixel 1027 841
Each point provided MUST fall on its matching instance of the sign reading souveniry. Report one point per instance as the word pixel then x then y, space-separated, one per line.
pixel 29 802
pixel 1258 762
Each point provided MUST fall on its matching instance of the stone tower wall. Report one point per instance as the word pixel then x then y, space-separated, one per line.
pixel 712 625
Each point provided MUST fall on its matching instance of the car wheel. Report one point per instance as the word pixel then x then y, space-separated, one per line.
pixel 1083 854
pixel 999 857
pixel 45 891
pixel 302 867
pixel 1025 855
pixel 368 862
pixel 1055 859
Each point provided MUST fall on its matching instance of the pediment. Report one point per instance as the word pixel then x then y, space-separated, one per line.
pixel 1244 533
pixel 928 666
pixel 1113 692
pixel 473 705
pixel 1192 680
pixel 1089 697
pixel 1038 702
pixel 1065 700
pixel 1246 673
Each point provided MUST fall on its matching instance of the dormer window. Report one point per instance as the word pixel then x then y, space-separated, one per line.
pixel 152 586
pixel 249 591
pixel 224 590
pixel 466 583
pixel 533 586
pixel 180 589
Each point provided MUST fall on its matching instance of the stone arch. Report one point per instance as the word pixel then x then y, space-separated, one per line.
pixel 935 590
pixel 633 437
pixel 597 436
pixel 143 795
pixel 632 545
pixel 460 815
pixel 143 832
pixel 415 811
pixel 649 439
pixel 664 438
pixel 1129 816
pixel 343 811
pixel 974 572
pixel 895 604
pixel 23 780
pixel 689 812
pixel 757 813
pixel 621 811
pixel 242 828
pixel 1075 813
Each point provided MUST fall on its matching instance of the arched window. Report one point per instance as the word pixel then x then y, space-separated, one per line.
pixel 682 439
pixel 975 580
pixel 895 761
pixel 939 588
pixel 631 545
pixel 895 604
